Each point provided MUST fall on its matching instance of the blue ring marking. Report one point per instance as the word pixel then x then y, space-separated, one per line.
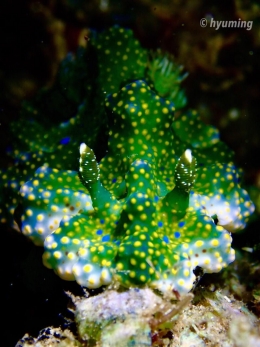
pixel 65 140
pixel 177 234
pixel 166 239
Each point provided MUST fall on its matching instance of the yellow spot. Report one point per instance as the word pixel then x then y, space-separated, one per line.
pixel 71 255
pixel 82 251
pixel 40 217
pixel 64 240
pixel 130 216
pixel 104 262
pixel 174 271
pixel 57 254
pixel 199 243
pixel 137 244
pixel 166 261
pixel 104 274
pixel 165 110
pixel 133 261
pixel 181 282
pixel 87 268
pixel 214 242
pixel 54 208
pixel 40 231
pixel 28 229
pixel 142 266
pixel 132 274
pixel 143 216
pixel 119 266
pixel 121 249
pixel 186 273
pixel 101 248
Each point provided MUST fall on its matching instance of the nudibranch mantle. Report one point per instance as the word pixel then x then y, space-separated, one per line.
pixel 144 215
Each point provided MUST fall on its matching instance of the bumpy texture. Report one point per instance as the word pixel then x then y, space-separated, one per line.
pixel 163 199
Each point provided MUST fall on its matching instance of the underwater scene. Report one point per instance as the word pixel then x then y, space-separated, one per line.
pixel 130 179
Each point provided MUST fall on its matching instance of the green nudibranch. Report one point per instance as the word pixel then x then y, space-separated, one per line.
pixel 141 227
pixel 161 202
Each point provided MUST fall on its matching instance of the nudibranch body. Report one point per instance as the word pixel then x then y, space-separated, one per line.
pixel 139 216
pixel 161 202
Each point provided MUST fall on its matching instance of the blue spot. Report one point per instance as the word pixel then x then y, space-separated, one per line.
pixel 167 179
pixel 116 222
pixel 177 234
pixel 114 180
pixel 181 224
pixel 105 238
pixel 65 140
pixel 99 232
pixel 166 239
pixel 160 224
pixel 102 221
pixel 117 242
pixel 156 198
pixel 162 168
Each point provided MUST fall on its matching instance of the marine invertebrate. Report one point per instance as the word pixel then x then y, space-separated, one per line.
pixel 140 228
pixel 155 206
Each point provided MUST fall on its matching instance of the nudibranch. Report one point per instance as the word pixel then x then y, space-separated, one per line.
pixel 143 215
pixel 164 198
